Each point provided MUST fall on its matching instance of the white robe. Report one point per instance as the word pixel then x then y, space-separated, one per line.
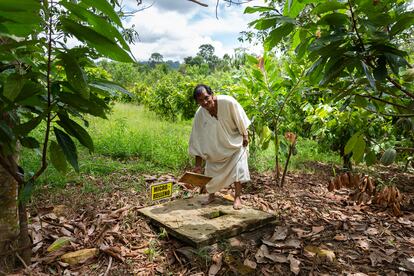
pixel 219 142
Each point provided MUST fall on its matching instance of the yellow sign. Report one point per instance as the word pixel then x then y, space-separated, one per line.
pixel 161 190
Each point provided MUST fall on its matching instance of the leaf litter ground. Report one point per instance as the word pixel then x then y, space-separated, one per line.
pixel 317 232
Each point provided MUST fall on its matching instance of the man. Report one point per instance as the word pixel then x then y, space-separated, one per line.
pixel 219 136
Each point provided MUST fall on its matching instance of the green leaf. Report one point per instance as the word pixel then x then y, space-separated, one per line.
pixel 99 24
pixel 103 45
pixel 277 35
pixel 68 147
pixel 380 72
pixel 76 130
pixel 351 143
pixel 26 191
pixel 293 8
pixel 25 128
pixel 404 22
pixel 255 9
pixel 13 85
pixel 359 149
pixel 29 142
pixel 334 19
pixel 6 133
pixel 75 75
pixel 333 69
pixel 93 106
pixel 28 90
pixel 104 7
pixel 370 158
pixel 111 87
pixel 328 6
pixel 369 75
pixel 264 23
pixel 57 157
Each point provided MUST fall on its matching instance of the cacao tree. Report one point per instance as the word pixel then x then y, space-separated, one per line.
pixel 44 82
pixel 354 50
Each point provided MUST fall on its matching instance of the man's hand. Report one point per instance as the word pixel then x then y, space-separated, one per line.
pixel 197 169
pixel 245 140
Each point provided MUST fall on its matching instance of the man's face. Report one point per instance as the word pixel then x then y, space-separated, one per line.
pixel 205 100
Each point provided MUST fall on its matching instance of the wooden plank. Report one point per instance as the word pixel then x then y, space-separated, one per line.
pixel 195 179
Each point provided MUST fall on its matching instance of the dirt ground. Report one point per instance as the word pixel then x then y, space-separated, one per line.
pixel 317 232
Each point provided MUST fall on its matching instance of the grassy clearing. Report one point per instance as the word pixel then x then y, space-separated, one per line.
pixel 133 141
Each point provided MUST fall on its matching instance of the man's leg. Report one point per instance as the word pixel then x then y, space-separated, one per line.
pixel 210 199
pixel 237 200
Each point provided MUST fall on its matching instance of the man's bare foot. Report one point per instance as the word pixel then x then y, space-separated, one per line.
pixel 237 204
pixel 210 199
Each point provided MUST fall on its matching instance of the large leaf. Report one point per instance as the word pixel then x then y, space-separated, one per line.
pixel 29 142
pixel 99 24
pixel 359 149
pixel 104 7
pixel 103 45
pixel 335 19
pixel 13 86
pixel 57 157
pixel 328 6
pixel 74 74
pixel 368 74
pixel 276 35
pixel 28 90
pixel 258 9
pixel 97 107
pixel 111 87
pixel 293 8
pixel 405 21
pixel 68 147
pixel 19 18
pixel 25 128
pixel 351 143
pixel 76 130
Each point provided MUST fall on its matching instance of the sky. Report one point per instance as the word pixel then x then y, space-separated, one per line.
pixel 177 28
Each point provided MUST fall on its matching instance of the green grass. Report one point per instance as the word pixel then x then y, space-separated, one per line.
pixel 133 140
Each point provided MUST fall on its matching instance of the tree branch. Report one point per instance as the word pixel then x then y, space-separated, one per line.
pixel 197 2
pixel 381 100
pixel 397 85
pixel 354 23
pixel 49 99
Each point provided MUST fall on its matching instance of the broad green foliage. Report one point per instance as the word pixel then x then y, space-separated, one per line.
pixel 270 94
pixel 355 53
pixel 41 80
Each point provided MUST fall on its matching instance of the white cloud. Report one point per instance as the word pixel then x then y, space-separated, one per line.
pixel 176 28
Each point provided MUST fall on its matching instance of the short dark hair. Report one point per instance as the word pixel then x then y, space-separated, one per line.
pixel 200 88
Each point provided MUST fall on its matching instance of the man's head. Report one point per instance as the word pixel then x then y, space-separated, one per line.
pixel 204 96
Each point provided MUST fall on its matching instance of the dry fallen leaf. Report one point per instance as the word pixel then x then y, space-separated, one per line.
pixel 249 263
pixel 371 231
pixel 363 244
pixel 79 256
pixel 317 229
pixel 341 237
pixel 279 234
pixel 261 253
pixel 294 264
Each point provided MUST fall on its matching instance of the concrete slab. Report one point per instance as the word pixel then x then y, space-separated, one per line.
pixel 200 225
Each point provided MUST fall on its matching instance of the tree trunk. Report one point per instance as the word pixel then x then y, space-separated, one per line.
pixel 9 218
pixel 347 163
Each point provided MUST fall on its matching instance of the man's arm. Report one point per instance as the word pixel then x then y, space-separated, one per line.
pixel 245 140
pixel 198 163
